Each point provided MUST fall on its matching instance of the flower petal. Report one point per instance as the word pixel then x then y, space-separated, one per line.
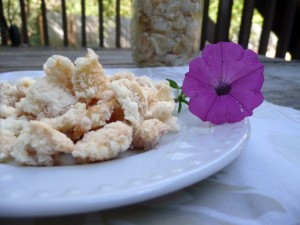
pixel 246 90
pixel 192 87
pixel 253 80
pixel 212 52
pixel 203 72
pixel 200 106
pixel 231 52
pixel 249 100
pixel 226 109
pixel 234 69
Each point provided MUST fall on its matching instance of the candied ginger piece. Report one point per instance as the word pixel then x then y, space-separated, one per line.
pixel 39 145
pixel 8 94
pixel 101 113
pixel 122 74
pixel 68 120
pixel 151 96
pixel 160 24
pixel 117 114
pixel 147 135
pixel 145 81
pixel 164 92
pixel 95 117
pixel 23 84
pixel 60 69
pixel 161 43
pixel 132 99
pixel 143 49
pixel 7 140
pixel 89 80
pixel 78 120
pixel 10 128
pixel 161 110
pixel 46 99
pixel 14 125
pixel 7 111
pixel 106 96
pixel 103 144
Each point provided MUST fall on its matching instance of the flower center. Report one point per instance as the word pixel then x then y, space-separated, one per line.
pixel 223 89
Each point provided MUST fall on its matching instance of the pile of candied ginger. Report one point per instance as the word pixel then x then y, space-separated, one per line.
pixel 76 109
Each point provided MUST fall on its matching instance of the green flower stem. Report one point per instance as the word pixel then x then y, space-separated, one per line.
pixel 181 97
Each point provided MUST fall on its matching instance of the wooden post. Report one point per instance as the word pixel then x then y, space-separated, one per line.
pixel 223 20
pixel 118 24
pixel 45 26
pixel 101 26
pixel 24 22
pixel 3 25
pixel 204 23
pixel 64 21
pixel 245 28
pixel 297 51
pixel 286 29
pixel 267 26
pixel 83 33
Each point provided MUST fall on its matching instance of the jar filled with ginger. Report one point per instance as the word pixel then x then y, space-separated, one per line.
pixel 165 32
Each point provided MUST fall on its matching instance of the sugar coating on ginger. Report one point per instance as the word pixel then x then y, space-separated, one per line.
pixel 122 74
pixel 95 117
pixel 147 135
pixel 132 99
pixel 22 85
pixel 164 92
pixel 7 140
pixel 160 110
pixel 10 129
pixel 67 121
pixel 79 119
pixel 60 69
pixel 8 94
pixel 89 79
pixel 7 111
pixel 104 143
pixel 46 98
pixel 145 81
pixel 39 145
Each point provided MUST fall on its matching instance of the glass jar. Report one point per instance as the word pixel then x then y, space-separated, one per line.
pixel 165 32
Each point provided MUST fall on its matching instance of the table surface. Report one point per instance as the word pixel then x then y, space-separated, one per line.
pixel 260 187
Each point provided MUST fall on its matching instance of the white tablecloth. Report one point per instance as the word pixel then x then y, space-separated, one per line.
pixel 260 187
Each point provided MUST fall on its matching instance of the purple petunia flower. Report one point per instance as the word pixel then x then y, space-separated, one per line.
pixel 224 84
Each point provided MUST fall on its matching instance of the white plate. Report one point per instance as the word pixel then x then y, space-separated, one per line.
pixel 181 159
